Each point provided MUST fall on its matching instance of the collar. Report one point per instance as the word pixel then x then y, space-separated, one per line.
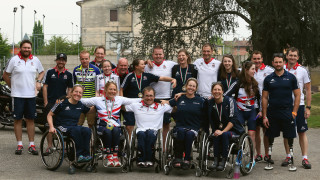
pixel 285 73
pixel 86 68
pixel 294 67
pixel 30 56
pixel 158 64
pixel 107 74
pixel 109 99
pixel 115 71
pixel 207 62
pixel 56 69
pixel 155 105
pixel 262 67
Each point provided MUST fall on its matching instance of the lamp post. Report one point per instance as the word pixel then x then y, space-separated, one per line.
pixel 78 39
pixel 14 23
pixel 43 16
pixel 34 38
pixel 22 7
pixel 72 31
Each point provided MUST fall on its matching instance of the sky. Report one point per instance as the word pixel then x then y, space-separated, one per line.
pixel 59 16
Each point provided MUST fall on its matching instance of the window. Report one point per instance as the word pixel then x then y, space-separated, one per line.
pixel 113 15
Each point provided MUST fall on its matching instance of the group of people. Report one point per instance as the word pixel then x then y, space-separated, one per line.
pixel 206 93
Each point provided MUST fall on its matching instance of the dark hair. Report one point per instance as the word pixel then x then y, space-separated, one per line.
pixel 222 70
pixel 279 55
pixel 104 61
pixel 109 83
pixel 148 88
pixel 187 54
pixel 218 83
pixel 292 49
pixel 25 41
pixel 248 83
pixel 256 52
pixel 100 47
pixel 206 45
pixel 135 63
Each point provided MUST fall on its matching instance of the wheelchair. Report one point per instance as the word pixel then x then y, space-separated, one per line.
pixel 240 154
pixel 197 145
pixel 62 147
pixel 157 151
pixel 123 154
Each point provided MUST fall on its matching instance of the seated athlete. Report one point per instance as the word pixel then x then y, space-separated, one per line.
pixel 189 119
pixel 222 114
pixel 149 119
pixel 108 124
pixel 67 114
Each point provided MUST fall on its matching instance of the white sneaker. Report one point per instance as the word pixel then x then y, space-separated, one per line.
pixel 141 164
pixel 149 164
pixel 110 160
pixel 116 161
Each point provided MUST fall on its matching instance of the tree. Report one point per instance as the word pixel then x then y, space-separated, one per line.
pixel 37 38
pixel 4 47
pixel 275 25
pixel 58 44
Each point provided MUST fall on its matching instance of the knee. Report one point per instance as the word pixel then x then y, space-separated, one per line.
pixel 190 135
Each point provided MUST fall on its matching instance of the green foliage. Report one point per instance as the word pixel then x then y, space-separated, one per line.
pixel 313 120
pixel 37 38
pixel 58 44
pixel 4 47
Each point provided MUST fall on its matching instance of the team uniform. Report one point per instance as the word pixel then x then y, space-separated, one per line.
pixel 182 75
pixel 245 103
pixel 99 65
pixel 280 106
pixel 131 90
pixel 303 77
pixel 259 76
pixel 67 117
pixel 189 119
pixel 207 74
pixel 23 85
pixel 115 71
pixel 149 121
pixel 227 82
pixel 102 79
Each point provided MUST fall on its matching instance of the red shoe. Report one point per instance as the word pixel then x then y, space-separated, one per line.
pixel 116 161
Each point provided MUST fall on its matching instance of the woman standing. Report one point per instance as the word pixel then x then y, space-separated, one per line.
pixel 189 119
pixel 228 72
pixel 222 114
pixel 247 95
pixel 105 77
pixel 183 71
pixel 108 124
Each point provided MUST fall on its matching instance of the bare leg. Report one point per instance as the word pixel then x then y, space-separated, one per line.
pixel 303 141
pixel 30 129
pixel 165 130
pixel 130 129
pixel 18 129
pixel 286 145
pixel 252 134
pixel 265 141
pixel 258 140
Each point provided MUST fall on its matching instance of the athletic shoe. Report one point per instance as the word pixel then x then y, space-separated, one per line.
pixel 116 161
pixel 177 163
pixel 306 164
pixel 32 150
pixel 286 162
pixel 267 159
pixel 186 165
pixel 149 164
pixel 88 158
pixel 248 165
pixel 110 160
pixel 19 150
pixel 141 164
pixel 258 158
pixel 81 159
pixel 48 152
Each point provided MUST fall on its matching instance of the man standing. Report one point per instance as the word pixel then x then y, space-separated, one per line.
pixel 99 54
pixel 262 71
pixel 122 69
pixel 162 67
pixel 278 110
pixel 23 69
pixel 207 71
pixel 57 82
pixel 303 113
pixel 85 75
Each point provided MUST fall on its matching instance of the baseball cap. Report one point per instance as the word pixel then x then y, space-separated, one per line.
pixel 61 55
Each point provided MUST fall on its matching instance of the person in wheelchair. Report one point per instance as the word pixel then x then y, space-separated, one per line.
pixel 222 114
pixel 189 119
pixel 108 124
pixel 149 119
pixel 67 115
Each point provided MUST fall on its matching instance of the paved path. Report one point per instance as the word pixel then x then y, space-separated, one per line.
pixel 27 166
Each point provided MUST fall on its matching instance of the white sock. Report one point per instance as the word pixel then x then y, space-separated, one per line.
pixel 304 157
pixel 20 143
pixel 289 155
pixel 31 143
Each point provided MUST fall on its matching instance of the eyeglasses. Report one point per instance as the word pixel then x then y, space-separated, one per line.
pixel 280 55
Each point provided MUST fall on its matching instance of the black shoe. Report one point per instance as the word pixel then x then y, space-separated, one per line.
pixel 215 163
pixel 186 165
pixel 221 165
pixel 306 164
pixel 19 150
pixel 268 160
pixel 258 158
pixel 286 162
pixel 177 163
pixel 32 150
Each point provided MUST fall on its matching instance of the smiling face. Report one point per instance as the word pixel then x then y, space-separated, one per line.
pixel 25 50
pixel 76 93
pixel 278 63
pixel 99 53
pixel 207 53
pixel 292 57
pixel 140 67
pixel 148 97
pixel 106 67
pixel 158 56
pixel 191 87
pixel 227 63
pixel 84 59
pixel 110 90
pixel 182 58
pixel 61 63
pixel 250 72
pixel 217 92
pixel 257 60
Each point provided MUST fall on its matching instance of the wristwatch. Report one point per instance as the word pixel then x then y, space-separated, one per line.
pixel 39 81
pixel 309 107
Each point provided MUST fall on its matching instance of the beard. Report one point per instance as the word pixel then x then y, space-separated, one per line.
pixel 25 54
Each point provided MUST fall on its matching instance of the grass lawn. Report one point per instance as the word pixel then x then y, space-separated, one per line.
pixel 314 119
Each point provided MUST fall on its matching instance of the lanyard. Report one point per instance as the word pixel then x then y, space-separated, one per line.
pixel 219 114
pixel 138 84
pixel 229 82
pixel 84 79
pixel 185 76
pixel 109 112
pixel 104 78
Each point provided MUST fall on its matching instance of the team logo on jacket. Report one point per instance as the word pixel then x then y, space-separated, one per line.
pixel 265 74
pixel 213 65
pixel 67 108
pixel 295 73
pixel 164 67
pixel 53 76
pixel 145 78
pixel 65 77
pixel 31 63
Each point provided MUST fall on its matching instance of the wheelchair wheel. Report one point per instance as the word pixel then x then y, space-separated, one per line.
pixel 158 149
pixel 124 150
pixel 168 152
pixel 202 141
pixel 132 150
pixel 246 145
pixel 52 150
